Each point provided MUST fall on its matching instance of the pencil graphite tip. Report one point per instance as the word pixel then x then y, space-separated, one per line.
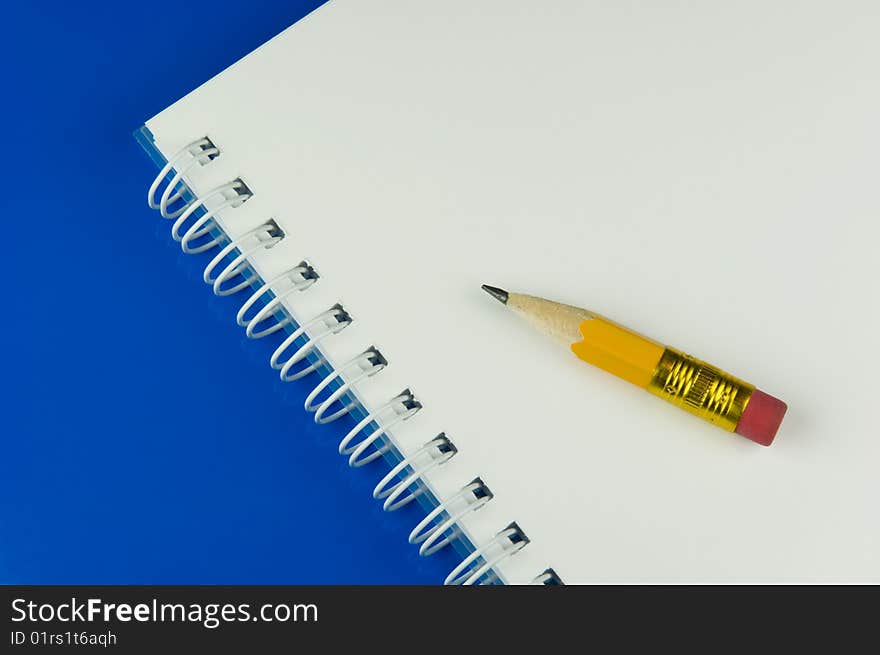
pixel 498 294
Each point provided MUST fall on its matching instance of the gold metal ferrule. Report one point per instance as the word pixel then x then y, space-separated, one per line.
pixel 700 388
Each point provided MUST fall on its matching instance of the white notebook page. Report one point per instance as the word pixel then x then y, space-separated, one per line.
pixel 703 172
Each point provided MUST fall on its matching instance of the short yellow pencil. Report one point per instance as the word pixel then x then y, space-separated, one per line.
pixel 685 381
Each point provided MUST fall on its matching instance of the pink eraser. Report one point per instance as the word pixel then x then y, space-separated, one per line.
pixel 761 418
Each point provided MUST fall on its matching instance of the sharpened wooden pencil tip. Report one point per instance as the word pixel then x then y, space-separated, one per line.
pixel 498 294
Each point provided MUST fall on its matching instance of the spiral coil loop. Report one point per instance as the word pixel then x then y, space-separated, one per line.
pixel 440 527
pixel 404 405
pixel 367 364
pixel 505 544
pixel 301 277
pixel 333 321
pixel 471 497
pixel 547 578
pixel 234 195
pixel 200 151
pixel 262 237
pixel 434 453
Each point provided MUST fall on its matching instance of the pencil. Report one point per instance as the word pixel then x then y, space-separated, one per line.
pixel 687 382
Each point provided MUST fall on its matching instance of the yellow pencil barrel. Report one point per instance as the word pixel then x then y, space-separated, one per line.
pixel 619 351
pixel 687 382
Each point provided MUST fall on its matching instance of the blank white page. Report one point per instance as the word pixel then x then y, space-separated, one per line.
pixel 705 173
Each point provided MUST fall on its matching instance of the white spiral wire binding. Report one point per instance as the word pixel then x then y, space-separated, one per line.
pixel 436 452
pixel 334 321
pixel 464 575
pixel 404 405
pixel 439 450
pixel 200 228
pixel 201 151
pixel 430 538
pixel 369 362
pixel 548 577
pixel 203 224
pixel 307 277
pixel 266 236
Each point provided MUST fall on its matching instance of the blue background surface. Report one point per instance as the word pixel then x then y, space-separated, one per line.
pixel 145 439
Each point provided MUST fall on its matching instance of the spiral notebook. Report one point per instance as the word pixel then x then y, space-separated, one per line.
pixel 352 182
